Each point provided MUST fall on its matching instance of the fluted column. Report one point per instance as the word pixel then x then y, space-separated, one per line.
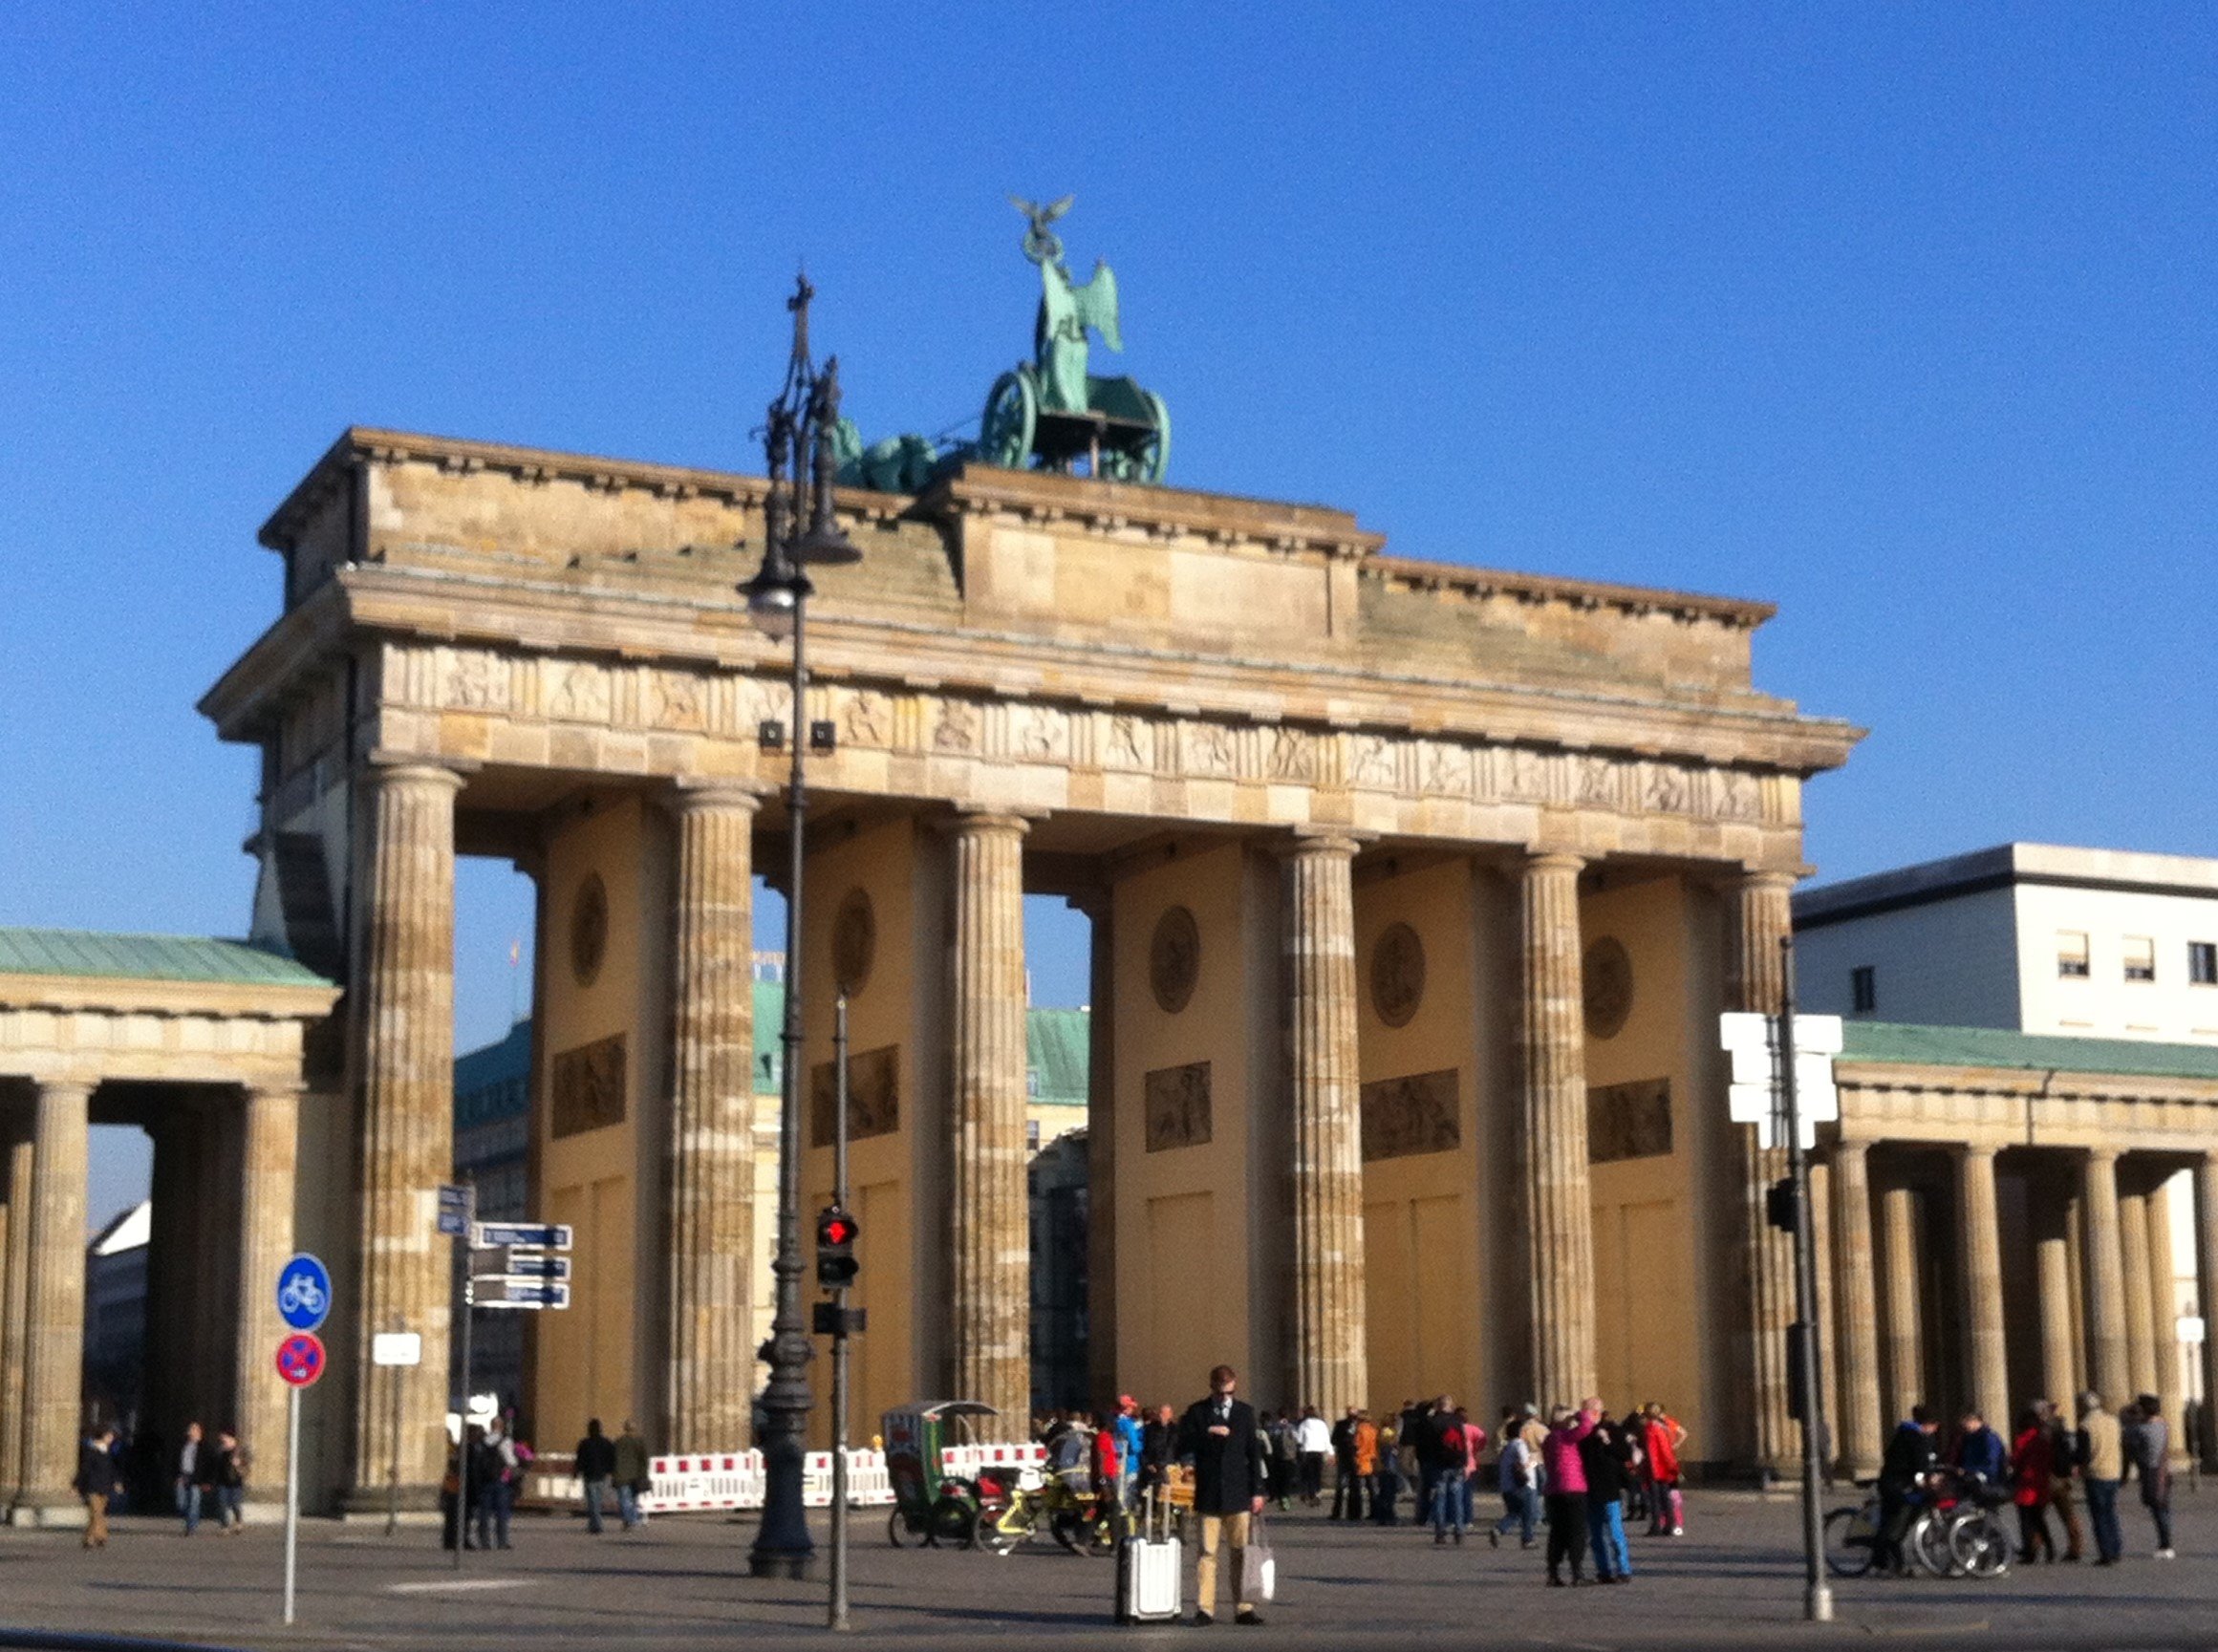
pixel 1760 916
pixel 1862 1428
pixel 709 1156
pixel 1326 1367
pixel 989 1290
pixel 15 1284
pixel 1903 1330
pixel 2107 1369
pixel 1988 1350
pixel 1559 1207
pixel 1101 1154
pixel 2207 1291
pixel 2053 1278
pixel 2163 1326
pixel 2133 1247
pixel 53 1307
pixel 407 1123
pixel 269 1158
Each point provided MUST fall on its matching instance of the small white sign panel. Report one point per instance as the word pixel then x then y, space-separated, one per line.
pixel 2191 1330
pixel 397 1349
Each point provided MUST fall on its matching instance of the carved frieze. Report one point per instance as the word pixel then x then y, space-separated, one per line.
pixel 587 1087
pixel 1632 1121
pixel 873 1096
pixel 1407 1116
pixel 1177 1107
pixel 1174 960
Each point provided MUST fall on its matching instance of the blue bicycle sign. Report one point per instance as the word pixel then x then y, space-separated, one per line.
pixel 304 1293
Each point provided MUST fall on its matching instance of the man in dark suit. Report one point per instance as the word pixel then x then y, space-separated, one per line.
pixel 1220 1435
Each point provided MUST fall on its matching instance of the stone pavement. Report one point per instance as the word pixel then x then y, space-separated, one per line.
pixel 1735 1580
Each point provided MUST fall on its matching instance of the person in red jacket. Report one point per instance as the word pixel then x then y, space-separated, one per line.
pixel 2033 1465
pixel 1662 1440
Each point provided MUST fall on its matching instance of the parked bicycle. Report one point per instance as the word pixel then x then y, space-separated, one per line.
pixel 1011 1516
pixel 1954 1531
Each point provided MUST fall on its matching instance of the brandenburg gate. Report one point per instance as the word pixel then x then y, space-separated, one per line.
pixel 1416 890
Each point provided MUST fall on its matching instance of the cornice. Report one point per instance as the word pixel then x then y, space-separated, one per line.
pixel 1637 601
pixel 223 1001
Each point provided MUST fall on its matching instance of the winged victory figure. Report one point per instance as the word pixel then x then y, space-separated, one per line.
pixel 1067 310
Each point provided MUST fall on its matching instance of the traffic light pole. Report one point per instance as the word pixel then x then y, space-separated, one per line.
pixel 839 1348
pixel 1802 1367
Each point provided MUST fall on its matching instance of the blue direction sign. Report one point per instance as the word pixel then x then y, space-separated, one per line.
pixel 536 1265
pixel 304 1293
pixel 510 1291
pixel 534 1236
pixel 458 1204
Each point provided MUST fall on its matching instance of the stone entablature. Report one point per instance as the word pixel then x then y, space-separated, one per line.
pixel 1014 639
pixel 1998 1108
pixel 82 1030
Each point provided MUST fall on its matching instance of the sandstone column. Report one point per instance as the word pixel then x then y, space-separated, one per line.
pixel 1559 1208
pixel 709 1157
pixel 2140 1364
pixel 406 1025
pixel 1987 1364
pixel 1759 918
pixel 2052 1272
pixel 1862 1428
pixel 15 1284
pixel 989 1283
pixel 1101 1155
pixel 2107 1371
pixel 269 1160
pixel 2207 1291
pixel 2164 1314
pixel 1903 1331
pixel 53 1308
pixel 1326 1367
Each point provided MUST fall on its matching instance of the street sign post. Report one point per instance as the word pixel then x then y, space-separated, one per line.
pixel 458 1208
pixel 300 1361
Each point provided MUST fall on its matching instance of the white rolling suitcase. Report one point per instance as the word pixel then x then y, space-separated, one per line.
pixel 1150 1570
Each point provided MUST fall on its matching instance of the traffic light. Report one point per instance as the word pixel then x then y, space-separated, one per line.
pixel 836 1232
pixel 1780 1206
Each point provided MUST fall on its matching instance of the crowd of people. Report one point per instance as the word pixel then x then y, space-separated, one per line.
pixel 2036 1468
pixel 1576 1475
pixel 209 1477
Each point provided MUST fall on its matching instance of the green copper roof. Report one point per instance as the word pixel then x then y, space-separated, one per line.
pixel 1056 1043
pixel 2039 1052
pixel 147 958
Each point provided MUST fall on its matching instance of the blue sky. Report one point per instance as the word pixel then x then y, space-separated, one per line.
pixel 1899 316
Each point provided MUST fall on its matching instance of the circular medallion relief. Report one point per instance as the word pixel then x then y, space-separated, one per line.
pixel 588 930
pixel 1174 960
pixel 1398 975
pixel 854 942
pixel 1609 987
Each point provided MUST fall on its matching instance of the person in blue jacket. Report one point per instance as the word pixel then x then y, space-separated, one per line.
pixel 1981 1453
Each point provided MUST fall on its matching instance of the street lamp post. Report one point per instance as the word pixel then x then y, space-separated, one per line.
pixel 798 529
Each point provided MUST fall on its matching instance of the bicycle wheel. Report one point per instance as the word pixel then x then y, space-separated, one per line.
pixel 1067 1525
pixel 1851 1539
pixel 897 1529
pixel 1929 1543
pixel 1979 1545
pixel 955 1523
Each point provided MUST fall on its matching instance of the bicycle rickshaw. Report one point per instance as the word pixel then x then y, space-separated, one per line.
pixel 930 1507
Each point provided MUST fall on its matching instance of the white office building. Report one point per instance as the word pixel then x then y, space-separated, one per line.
pixel 2029 937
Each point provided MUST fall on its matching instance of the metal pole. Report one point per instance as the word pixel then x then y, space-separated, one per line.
pixel 1817 1593
pixel 461 1504
pixel 782 1547
pixel 393 1489
pixel 292 1495
pixel 839 1346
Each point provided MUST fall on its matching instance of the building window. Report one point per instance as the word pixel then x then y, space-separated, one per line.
pixel 2072 955
pixel 2141 958
pixel 1032 1136
pixel 1864 989
pixel 1031 1081
pixel 2203 963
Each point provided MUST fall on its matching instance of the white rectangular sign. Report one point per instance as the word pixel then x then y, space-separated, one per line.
pixel 397 1349
pixel 498 1235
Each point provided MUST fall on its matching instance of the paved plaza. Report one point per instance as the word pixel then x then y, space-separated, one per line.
pixel 1734 1580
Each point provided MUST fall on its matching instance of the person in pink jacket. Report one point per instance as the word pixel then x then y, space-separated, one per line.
pixel 1567 1490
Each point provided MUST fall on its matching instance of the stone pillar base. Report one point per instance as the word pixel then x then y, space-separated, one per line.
pixel 49 1515
pixel 374 1502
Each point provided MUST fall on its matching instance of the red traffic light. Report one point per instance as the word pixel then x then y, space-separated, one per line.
pixel 837 1231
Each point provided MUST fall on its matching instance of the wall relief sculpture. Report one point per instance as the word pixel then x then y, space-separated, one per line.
pixel 1418 1114
pixel 1177 1107
pixel 588 930
pixel 1174 960
pixel 1631 1120
pixel 587 1087
pixel 854 942
pixel 873 1096
pixel 1609 979
pixel 1398 975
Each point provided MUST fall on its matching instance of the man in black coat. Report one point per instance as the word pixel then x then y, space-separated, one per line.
pixel 96 1483
pixel 1220 1435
